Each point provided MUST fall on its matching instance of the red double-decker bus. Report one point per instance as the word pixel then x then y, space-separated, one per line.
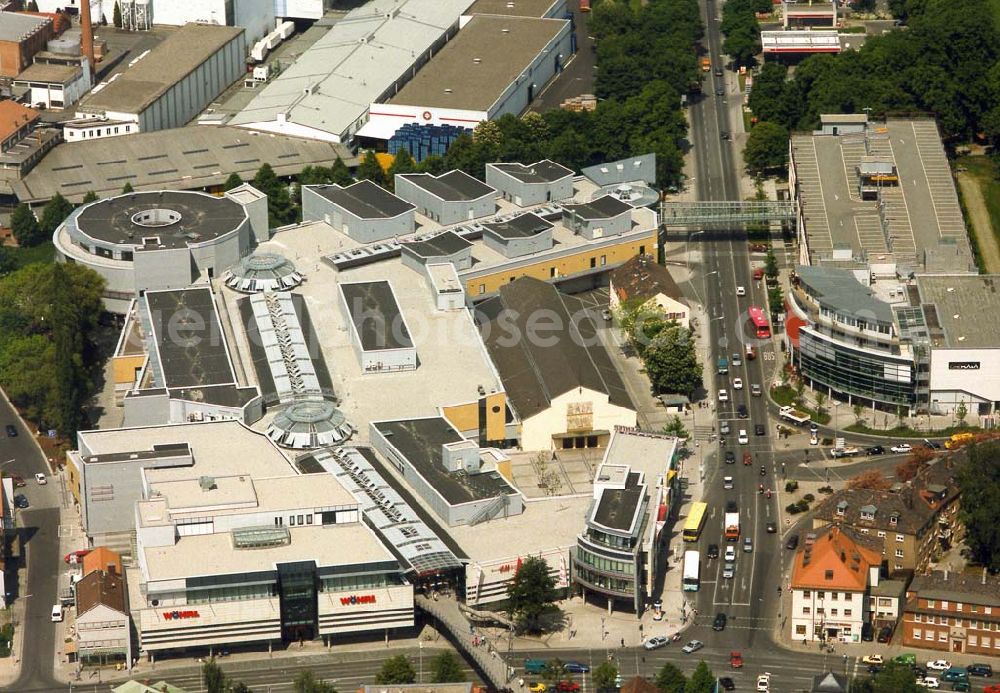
pixel 762 328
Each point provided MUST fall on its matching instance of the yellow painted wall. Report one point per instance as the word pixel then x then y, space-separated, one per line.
pixel 73 478
pixel 465 417
pixel 566 265
pixel 124 368
pixel 504 469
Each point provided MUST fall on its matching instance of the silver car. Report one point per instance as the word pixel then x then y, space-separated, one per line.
pixel 729 570
pixel 655 642
pixel 692 646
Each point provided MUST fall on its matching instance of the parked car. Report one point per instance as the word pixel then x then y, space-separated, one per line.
pixel 713 551
pixel 980 670
pixel 929 682
pixel 792 543
pixel 901 448
pixel 57 613
pixel 692 646
pixel 955 674
pixel 720 622
pixel 759 430
pixel 867 632
pixel 18 480
pixel 741 410
pixel 537 687
pixel 907 658
pixel 872 659
pixel 21 501
pixel 727 683
pixel 961 686
pixel 742 438
pixel 724 428
pixel 939 665
pixel 747 459
pixel 655 642
pixel 885 635
pixel 576 668
pixel 568 687
pixel 74 557
pixel 730 457
pixel 875 450
pixel 40 478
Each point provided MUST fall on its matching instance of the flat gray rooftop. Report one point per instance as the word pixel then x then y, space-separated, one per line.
pixel 179 158
pixel 365 200
pixel 167 64
pixel 616 508
pixel 14 26
pixel 420 441
pixel 453 186
pixel 966 307
pixel 923 226
pixel 188 338
pixel 544 171
pixel 477 66
pixel 50 73
pixel 445 243
pixel 202 217
pixel 515 8
pixel 376 315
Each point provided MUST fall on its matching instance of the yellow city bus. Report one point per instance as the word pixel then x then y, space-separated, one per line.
pixel 695 521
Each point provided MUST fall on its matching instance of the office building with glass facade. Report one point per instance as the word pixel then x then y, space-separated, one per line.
pixel 846 339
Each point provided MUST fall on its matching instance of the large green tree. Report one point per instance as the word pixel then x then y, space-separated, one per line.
pixel 280 210
pixel 894 678
pixel 116 17
pixel 766 148
pixel 605 675
pixel 54 213
pixel 396 670
pixel 25 227
pixel 670 679
pixel 402 163
pixel 671 361
pixel 91 196
pixel 340 174
pixel 701 681
pixel 370 169
pixel 530 593
pixel 306 682
pixel 212 677
pixel 979 481
pixel 233 181
pixel 446 668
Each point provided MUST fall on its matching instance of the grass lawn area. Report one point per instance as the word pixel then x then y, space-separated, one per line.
pixel 907 432
pixel 985 172
pixel 784 396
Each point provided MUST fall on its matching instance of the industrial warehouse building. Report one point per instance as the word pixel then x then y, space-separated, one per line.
pixel 161 240
pixel 495 65
pixel 21 37
pixel 379 333
pixel 173 83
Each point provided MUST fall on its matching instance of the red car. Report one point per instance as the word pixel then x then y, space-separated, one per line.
pixel 76 556
pixel 747 458
pixel 568 686
pixel 18 480
pixel 736 659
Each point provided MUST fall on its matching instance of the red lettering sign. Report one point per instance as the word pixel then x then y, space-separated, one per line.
pixel 358 599
pixel 178 615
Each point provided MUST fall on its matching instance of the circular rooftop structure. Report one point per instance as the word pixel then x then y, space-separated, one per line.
pixel 164 219
pixel 260 272
pixel 637 194
pixel 309 425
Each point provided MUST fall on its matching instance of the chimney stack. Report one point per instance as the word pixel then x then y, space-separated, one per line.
pixel 87 35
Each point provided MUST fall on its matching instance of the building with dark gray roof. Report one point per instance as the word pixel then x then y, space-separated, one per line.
pixel 531 184
pixel 952 611
pixel 159 240
pixel 450 198
pixel 605 216
pixel 447 247
pixel 563 388
pixel 521 235
pixel 379 333
pixel 187 373
pixel 456 478
pixel 362 211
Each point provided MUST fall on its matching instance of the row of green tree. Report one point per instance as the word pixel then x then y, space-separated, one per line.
pixel 742 31
pixel 49 363
pixel 945 63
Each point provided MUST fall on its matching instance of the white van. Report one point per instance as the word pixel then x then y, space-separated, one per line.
pixel 57 613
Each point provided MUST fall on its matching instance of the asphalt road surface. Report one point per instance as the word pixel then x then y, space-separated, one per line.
pixel 38 527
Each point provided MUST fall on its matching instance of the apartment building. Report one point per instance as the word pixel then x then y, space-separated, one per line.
pixel 954 612
pixel 912 521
